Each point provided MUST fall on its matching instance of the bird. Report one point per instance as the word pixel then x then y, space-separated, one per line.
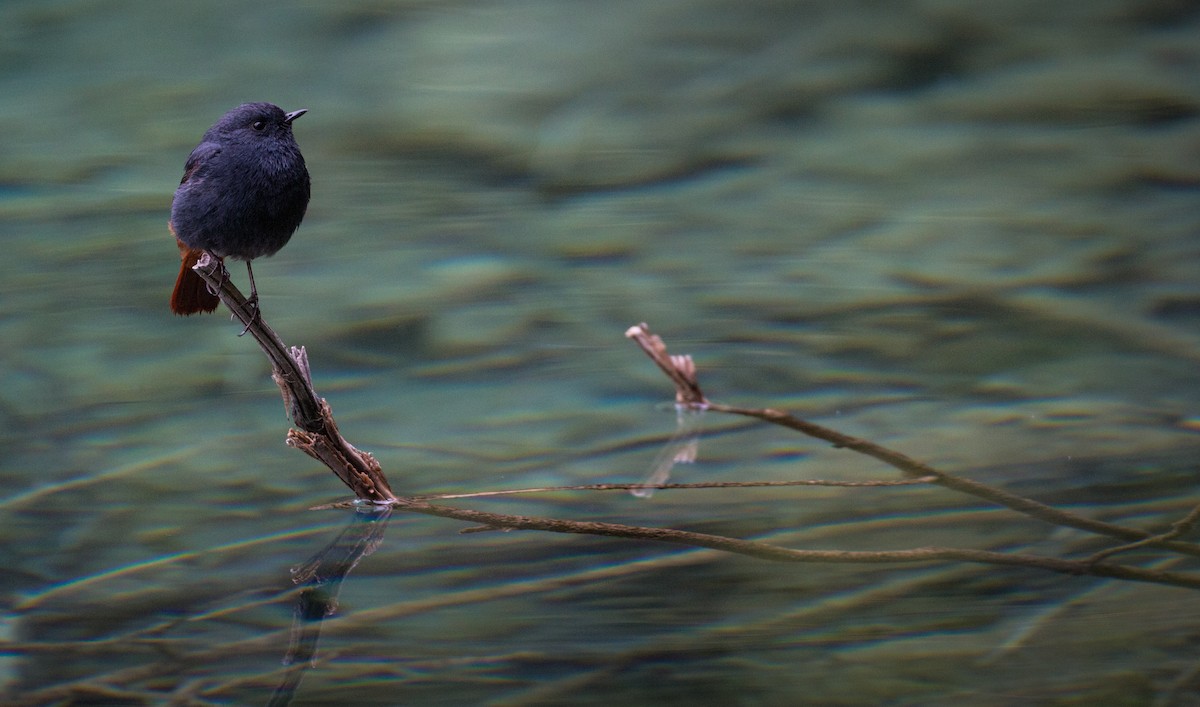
pixel 244 192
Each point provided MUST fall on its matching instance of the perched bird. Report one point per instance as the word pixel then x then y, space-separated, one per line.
pixel 243 194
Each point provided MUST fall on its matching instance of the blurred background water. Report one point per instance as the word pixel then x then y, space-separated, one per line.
pixel 967 230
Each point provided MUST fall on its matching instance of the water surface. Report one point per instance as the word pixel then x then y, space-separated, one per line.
pixel 964 230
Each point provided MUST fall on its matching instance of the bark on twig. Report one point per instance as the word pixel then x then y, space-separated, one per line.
pixel 680 369
pixel 318 435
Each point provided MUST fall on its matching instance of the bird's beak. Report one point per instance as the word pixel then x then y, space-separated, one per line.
pixel 289 117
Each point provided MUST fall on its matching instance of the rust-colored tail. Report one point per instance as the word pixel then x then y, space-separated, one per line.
pixel 191 293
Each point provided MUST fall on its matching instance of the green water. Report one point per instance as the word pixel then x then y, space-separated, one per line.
pixel 964 230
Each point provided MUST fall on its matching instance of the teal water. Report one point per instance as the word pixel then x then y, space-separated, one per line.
pixel 964 230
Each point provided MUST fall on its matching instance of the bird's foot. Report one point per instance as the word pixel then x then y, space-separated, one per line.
pixel 255 315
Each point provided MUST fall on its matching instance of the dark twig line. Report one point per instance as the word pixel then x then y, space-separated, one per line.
pixel 705 485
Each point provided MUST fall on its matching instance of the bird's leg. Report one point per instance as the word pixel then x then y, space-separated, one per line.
pixel 251 301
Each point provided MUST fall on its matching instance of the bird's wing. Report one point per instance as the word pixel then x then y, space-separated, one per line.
pixel 197 162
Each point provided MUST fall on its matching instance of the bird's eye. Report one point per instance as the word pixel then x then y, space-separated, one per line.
pixel 259 124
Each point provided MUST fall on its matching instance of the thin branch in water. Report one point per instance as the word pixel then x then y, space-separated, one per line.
pixel 1178 528
pixel 655 348
pixel 766 551
pixel 704 485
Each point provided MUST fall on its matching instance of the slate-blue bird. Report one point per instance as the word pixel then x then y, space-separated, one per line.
pixel 244 191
